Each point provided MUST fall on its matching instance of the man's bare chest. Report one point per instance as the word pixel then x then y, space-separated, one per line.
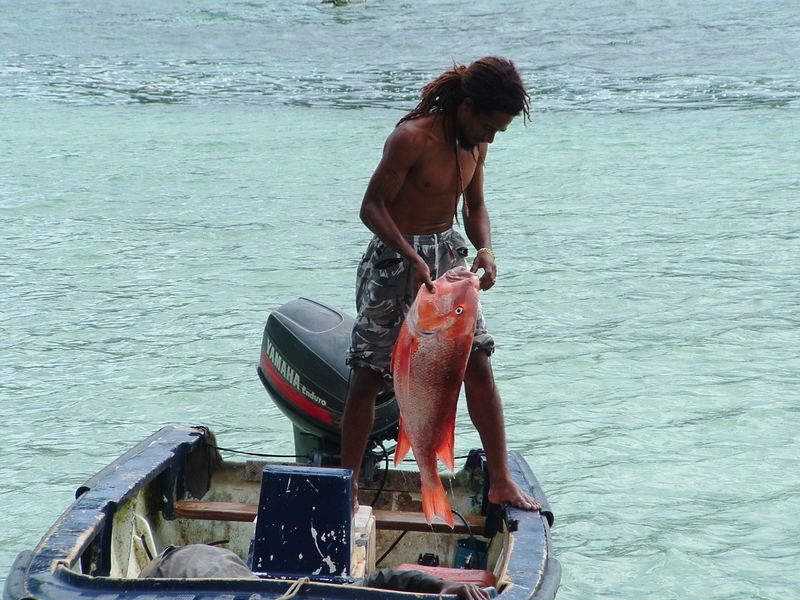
pixel 443 172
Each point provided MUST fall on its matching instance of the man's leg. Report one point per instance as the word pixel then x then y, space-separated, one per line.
pixel 358 419
pixel 486 412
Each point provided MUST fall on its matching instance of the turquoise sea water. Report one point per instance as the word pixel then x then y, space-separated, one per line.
pixel 171 172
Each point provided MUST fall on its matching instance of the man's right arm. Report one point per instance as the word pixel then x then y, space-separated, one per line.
pixel 403 147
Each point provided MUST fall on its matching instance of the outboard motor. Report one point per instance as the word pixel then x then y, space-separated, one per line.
pixel 303 368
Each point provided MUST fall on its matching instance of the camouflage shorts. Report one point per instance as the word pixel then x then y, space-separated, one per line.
pixel 384 295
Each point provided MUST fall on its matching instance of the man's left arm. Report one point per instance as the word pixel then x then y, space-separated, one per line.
pixel 477 226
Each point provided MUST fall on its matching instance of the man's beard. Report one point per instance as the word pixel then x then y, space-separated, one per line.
pixel 464 143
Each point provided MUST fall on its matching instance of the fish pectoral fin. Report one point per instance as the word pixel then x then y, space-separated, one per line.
pixel 445 450
pixel 435 504
pixel 403 444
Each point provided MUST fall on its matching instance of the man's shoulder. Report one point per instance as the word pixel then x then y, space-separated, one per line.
pixel 410 138
pixel 421 128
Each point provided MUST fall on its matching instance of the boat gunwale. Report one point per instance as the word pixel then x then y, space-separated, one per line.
pixel 86 518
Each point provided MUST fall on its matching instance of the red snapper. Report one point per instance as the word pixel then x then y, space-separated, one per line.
pixel 428 364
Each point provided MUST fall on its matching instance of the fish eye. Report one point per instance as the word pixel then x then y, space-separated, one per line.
pixel 459 310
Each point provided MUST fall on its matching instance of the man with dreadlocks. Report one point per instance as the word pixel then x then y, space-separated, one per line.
pixel 434 156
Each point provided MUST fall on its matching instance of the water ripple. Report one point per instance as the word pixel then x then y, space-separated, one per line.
pixel 109 81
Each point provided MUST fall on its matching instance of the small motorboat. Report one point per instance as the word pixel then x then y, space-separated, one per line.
pixel 291 520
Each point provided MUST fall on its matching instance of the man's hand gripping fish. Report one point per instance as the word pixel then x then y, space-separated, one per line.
pixel 428 364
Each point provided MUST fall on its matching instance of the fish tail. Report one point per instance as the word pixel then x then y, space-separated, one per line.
pixel 445 450
pixel 435 504
pixel 403 444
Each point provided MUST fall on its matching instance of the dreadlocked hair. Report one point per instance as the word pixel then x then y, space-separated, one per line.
pixel 440 96
pixel 493 83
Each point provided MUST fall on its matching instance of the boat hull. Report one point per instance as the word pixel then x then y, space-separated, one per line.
pixel 128 512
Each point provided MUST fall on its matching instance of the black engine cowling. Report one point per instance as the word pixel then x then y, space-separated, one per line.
pixel 303 368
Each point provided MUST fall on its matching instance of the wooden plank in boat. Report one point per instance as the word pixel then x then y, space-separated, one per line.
pixel 215 511
pixel 384 519
pixel 415 521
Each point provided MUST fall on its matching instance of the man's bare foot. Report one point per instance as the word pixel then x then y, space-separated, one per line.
pixel 510 492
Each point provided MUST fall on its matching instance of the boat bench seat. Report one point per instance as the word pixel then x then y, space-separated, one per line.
pixel 479 577
pixel 384 519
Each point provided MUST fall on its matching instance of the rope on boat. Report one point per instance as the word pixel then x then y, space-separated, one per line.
pixel 263 455
pixel 397 541
pixel 469 529
pixel 294 589
pixel 385 474
pixel 259 454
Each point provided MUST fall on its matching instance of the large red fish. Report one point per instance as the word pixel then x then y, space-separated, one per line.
pixel 428 364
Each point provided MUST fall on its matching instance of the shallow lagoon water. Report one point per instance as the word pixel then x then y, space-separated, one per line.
pixel 174 172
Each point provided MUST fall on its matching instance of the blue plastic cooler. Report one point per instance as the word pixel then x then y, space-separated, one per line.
pixel 304 520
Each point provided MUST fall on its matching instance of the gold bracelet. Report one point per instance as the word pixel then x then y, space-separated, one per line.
pixel 487 251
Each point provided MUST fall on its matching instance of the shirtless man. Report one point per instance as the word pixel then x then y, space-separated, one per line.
pixel 434 155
